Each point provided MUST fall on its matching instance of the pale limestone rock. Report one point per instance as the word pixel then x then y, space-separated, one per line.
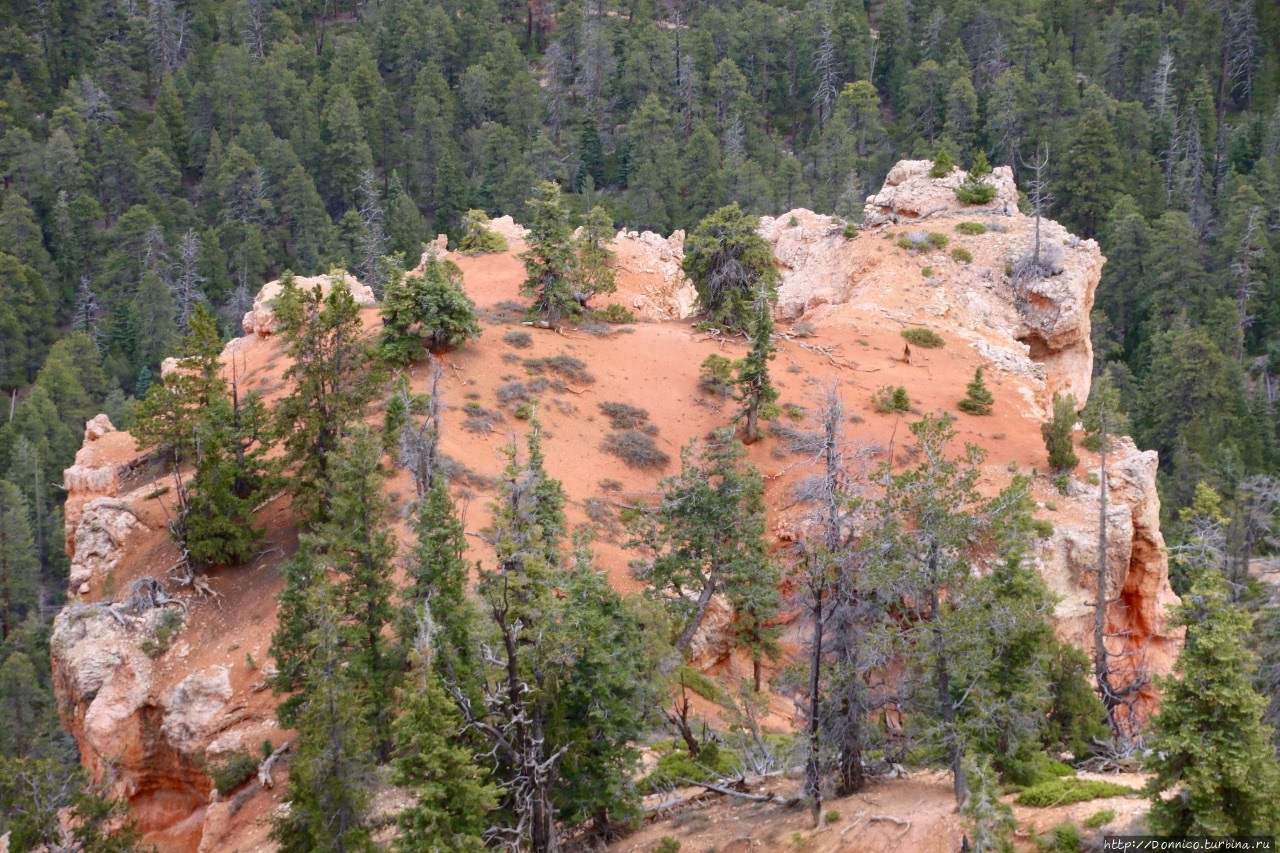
pixel 261 319
pixel 511 231
pixel 100 537
pixel 195 707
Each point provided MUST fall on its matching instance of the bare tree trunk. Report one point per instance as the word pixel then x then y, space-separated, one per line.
pixel 1101 657
pixel 813 770
pixel 704 600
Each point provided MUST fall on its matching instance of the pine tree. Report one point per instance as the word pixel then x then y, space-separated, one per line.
pixel 358 544
pixel 706 535
pixel 755 389
pixel 333 376
pixel 729 264
pixel 978 398
pixel 426 312
pixel 1104 413
pixel 438 575
pixel 21 704
pixel 173 409
pixel 1089 170
pixel 406 229
pixel 550 263
pixel 1215 769
pixel 593 273
pixel 452 797
pixel 1057 434
pixel 52 807
pixel 328 796
pixel 477 237
pixel 19 565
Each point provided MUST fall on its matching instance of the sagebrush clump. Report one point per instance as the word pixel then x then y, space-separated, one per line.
pixel 921 337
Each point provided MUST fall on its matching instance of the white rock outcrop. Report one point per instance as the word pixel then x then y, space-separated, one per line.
pixel 260 320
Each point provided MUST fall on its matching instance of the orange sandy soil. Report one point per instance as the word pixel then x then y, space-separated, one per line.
pixel 653 365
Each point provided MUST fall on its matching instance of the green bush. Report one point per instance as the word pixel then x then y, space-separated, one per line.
pixel 702 684
pixel 1033 768
pixel 888 398
pixel 917 241
pixel 570 368
pixel 1041 528
pixel 667 844
pixel 635 448
pixel 523 412
pixel 716 376
pixel 616 314
pixel 927 272
pixel 1100 819
pixel 1064 792
pixel 1063 838
pixel 973 229
pixel 850 231
pixel 975 192
pixel 1057 434
pixel 978 399
pixel 961 255
pixel 923 338
pixel 232 773
pixel 478 239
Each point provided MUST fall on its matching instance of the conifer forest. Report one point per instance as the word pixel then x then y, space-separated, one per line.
pixel 417 499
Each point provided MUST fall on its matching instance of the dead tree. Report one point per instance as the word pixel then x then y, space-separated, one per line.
pixel 420 442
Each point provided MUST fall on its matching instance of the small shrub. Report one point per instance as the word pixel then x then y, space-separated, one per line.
pixel 155 493
pixel 518 339
pixel 1057 434
pixel 167 627
pixel 702 685
pixel 523 412
pixel 961 255
pixel 888 398
pixel 231 773
pixel 937 240
pixel 972 229
pixel 793 222
pixel 512 392
pixel 796 413
pixel 1100 819
pixel 479 239
pixel 1062 482
pixel 249 662
pixel 716 376
pixel 610 485
pixel 804 329
pixel 616 314
pixel 922 337
pixel 832 816
pixel 975 192
pixel 667 844
pixel 927 272
pixel 573 369
pixel 1041 528
pixel 479 419
pixel 850 231
pixel 1063 838
pixel 921 241
pixel 635 448
pixel 1064 792
pixel 623 416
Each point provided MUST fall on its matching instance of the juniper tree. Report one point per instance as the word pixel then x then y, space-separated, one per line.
pixel 426 312
pixel 755 390
pixel 706 534
pixel 729 264
pixel 478 238
pixel 1215 768
pixel 978 398
pixel 550 262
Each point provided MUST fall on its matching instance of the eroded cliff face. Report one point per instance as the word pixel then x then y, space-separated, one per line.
pixel 151 692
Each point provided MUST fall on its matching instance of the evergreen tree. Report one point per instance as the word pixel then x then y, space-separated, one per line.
pixel 978 398
pixel 328 796
pixel 1057 434
pixel 755 390
pixel 333 378
pixel 426 312
pixel 706 535
pixel 1089 171
pixel 729 264
pixel 477 237
pixel 550 263
pixel 52 807
pixel 593 273
pixel 452 797
pixel 1215 768
pixel 19 565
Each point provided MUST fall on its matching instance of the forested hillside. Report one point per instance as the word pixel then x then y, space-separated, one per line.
pixel 160 156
